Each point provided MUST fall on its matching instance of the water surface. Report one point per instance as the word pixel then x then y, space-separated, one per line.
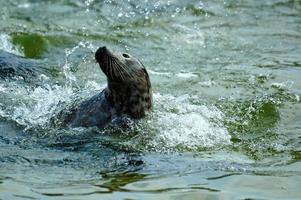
pixel 227 113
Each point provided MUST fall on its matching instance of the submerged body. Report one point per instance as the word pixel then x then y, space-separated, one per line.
pixel 128 94
pixel 12 65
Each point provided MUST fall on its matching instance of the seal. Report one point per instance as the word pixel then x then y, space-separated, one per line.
pixel 12 65
pixel 128 93
pixel 15 67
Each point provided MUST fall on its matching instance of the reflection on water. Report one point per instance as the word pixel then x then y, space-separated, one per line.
pixel 226 116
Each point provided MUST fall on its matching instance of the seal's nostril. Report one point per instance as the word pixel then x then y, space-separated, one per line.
pixel 125 55
pixel 100 52
pixel 102 49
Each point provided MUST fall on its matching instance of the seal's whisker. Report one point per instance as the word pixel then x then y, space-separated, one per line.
pixel 106 63
pixel 117 63
pixel 121 73
pixel 109 66
pixel 133 73
pixel 110 63
pixel 111 69
pixel 117 70
pixel 122 68
pixel 114 68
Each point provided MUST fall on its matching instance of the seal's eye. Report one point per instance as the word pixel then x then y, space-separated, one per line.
pixel 125 55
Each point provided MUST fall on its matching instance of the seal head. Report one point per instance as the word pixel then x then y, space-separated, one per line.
pixel 128 94
pixel 129 87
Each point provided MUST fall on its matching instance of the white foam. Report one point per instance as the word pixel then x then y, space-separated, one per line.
pixel 6 44
pixel 167 74
pixel 25 5
pixel 176 121
pixel 2 89
pixel 283 85
pixel 40 105
pixel 186 75
pixel 208 83
pixel 181 123
pixel 34 107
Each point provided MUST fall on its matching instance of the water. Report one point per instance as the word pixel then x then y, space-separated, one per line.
pixel 227 110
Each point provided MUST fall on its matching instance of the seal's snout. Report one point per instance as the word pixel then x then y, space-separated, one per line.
pixel 100 53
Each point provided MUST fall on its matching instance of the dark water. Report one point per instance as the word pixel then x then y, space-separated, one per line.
pixel 226 122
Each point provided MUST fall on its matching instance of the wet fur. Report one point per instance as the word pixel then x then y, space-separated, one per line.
pixel 128 93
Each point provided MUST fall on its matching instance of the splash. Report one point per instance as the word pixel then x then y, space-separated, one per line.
pixel 6 44
pixel 40 104
pixel 70 78
pixel 189 36
pixel 181 124
pixel 33 108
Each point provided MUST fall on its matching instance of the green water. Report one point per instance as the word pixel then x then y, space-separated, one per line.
pixel 226 122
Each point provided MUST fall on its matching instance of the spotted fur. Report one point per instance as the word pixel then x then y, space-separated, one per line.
pixel 129 87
